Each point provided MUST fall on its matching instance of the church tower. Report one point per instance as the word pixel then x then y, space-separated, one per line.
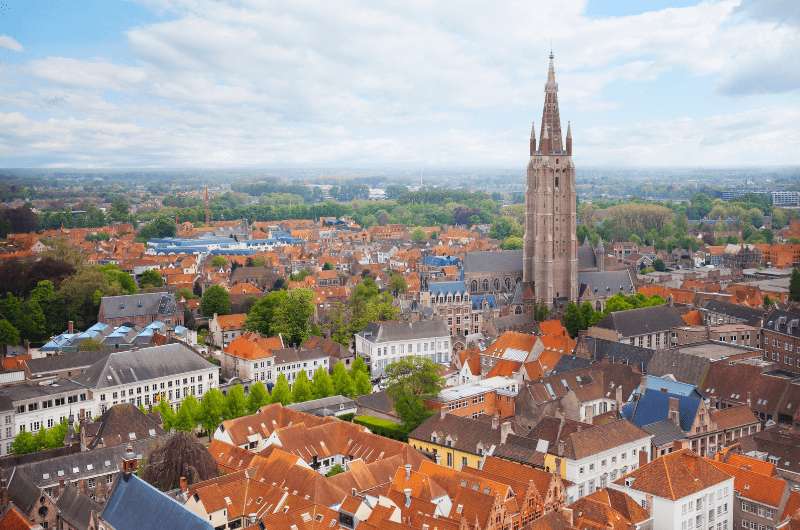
pixel 550 253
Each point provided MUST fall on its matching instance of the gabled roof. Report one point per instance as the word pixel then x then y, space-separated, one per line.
pixel 140 304
pixel 506 261
pixel 754 486
pixel 76 508
pixel 608 508
pixel 14 519
pixel 674 476
pixel 125 367
pixel 641 321
pixel 119 423
pixel 134 504
pixel 653 406
pixel 394 330
pixel 598 438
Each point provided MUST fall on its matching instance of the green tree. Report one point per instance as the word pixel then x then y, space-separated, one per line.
pixel 212 410
pixel 293 317
pixel 82 293
pixel 188 412
pixel 658 265
pixel 235 403
pixel 151 278
pixel 167 414
pixel 342 383
pixel 54 437
pixel 301 388
pixel 219 261
pixel 328 266
pixel 321 383
pixel 335 470
pixel 216 299
pixel 418 235
pixel 159 227
pixel 258 397
pixel 409 382
pixel 794 286
pixel 397 284
pixel 512 243
pixel 280 392
pixel 263 313
pixel 9 335
pixel 117 276
pixel 572 319
pixel 120 210
pixel 185 293
pixel 24 443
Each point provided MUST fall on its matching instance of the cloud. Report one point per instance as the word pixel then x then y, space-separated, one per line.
pixel 258 83
pixel 10 43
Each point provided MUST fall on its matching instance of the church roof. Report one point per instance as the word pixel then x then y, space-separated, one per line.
pixel 506 261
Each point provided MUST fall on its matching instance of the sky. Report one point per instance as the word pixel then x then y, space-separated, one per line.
pixel 401 83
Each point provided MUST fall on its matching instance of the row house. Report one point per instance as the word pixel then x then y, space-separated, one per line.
pixel 780 339
pixel 223 329
pixel 451 301
pixel 249 357
pixel 648 327
pixel 383 343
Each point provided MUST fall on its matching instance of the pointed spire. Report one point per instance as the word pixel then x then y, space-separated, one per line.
pixel 550 115
pixel 546 144
pixel 551 70
pixel 569 138
pixel 533 138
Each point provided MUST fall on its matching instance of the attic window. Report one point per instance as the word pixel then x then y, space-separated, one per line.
pixel 60 472
pixel 46 476
pixel 89 467
pixel 132 435
pixel 107 463
pixel 75 469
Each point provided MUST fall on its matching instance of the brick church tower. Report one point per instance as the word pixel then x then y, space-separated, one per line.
pixel 550 253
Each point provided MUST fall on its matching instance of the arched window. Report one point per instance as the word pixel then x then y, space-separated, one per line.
pixel 598 306
pixel 485 284
pixel 508 284
pixel 474 285
pixel 496 284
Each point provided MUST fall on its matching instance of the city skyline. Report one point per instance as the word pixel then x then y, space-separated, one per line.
pixel 169 84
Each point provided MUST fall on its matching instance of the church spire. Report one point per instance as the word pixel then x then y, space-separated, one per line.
pixel 569 139
pixel 533 138
pixel 550 116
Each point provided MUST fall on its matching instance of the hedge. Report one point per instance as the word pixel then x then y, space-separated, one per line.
pixel 382 427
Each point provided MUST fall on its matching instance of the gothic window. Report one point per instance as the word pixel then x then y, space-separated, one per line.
pixel 496 284
pixel 508 284
pixel 518 310
pixel 485 284
pixel 474 286
pixel 556 182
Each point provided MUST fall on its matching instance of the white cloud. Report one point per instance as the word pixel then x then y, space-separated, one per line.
pixel 351 82
pixel 10 43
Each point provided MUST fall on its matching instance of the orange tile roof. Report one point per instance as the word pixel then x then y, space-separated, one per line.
pixel 253 346
pixel 511 340
pixel 13 519
pixel 230 322
pixel 676 475
pixel 755 486
pixel 751 464
pixel 552 327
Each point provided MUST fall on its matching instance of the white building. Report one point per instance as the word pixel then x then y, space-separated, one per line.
pixel 786 198
pixel 383 343
pixel 291 361
pixel 145 376
pixel 683 491
pixel 41 406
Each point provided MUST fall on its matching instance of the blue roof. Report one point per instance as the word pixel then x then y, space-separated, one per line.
pixel 439 261
pixel 134 504
pixel 673 387
pixel 120 332
pixel 437 288
pixel 477 301
pixel 59 341
pixel 653 406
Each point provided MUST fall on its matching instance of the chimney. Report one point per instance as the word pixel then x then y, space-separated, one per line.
pixel 407 493
pixel 408 471
pixel 442 412
pixel 495 422
pixel 129 462
pixel 618 396
pixel 3 492
pixel 749 399
pixel 568 515
pixel 674 411
pixel 505 429
pixel 61 486
pixel 438 458
pixel 70 327
pixel 184 484
pixel 561 447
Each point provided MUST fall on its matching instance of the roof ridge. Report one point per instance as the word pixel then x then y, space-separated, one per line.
pixel 669 480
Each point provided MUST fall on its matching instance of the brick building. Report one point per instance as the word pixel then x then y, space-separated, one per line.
pixel 780 339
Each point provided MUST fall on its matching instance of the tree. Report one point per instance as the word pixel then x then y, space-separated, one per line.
pixel 219 262
pixel 167 414
pixel 321 383
pixel 212 410
pixel 794 286
pixel 328 266
pixel 658 265
pixel 512 243
pixel 24 443
pixel 262 315
pixel 504 227
pixel 540 311
pixel 293 317
pixel 301 388
pixel 342 383
pixel 397 284
pixel 215 300
pixel 9 335
pixel 418 235
pixel 334 470
pixel 152 278
pixel 409 382
pixel 188 412
pixel 572 319
pixel 258 397
pixel 159 227
pixel 361 383
pixel 120 210
pixel 235 403
pixel 82 293
pixel 280 392
pixel 55 435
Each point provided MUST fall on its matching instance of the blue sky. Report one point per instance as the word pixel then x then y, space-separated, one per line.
pixel 252 83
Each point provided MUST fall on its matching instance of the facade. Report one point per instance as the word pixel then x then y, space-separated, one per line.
pixel 683 491
pixel 493 272
pixel 786 199
pixel 224 328
pixel 144 377
pixel 249 357
pixel 780 339
pixel 451 301
pixel 550 251
pixel 647 327
pixel 292 361
pixel 383 343
pixel 140 310
pixel 7 427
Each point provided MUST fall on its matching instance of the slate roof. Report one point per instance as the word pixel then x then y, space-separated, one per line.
pixel 617 352
pixel 664 432
pixel 505 261
pixel 379 401
pixel 642 321
pixel 653 406
pixel 141 304
pixel 75 508
pixel 748 314
pixel 66 361
pixel 786 322
pixel 444 288
pixel 570 362
pixel 125 367
pixel 22 490
pixel 465 433
pixel 599 284
pixel 686 367
pixel 394 330
pixel 117 424
pixel 134 504
pixel 326 406
pixel 290 355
